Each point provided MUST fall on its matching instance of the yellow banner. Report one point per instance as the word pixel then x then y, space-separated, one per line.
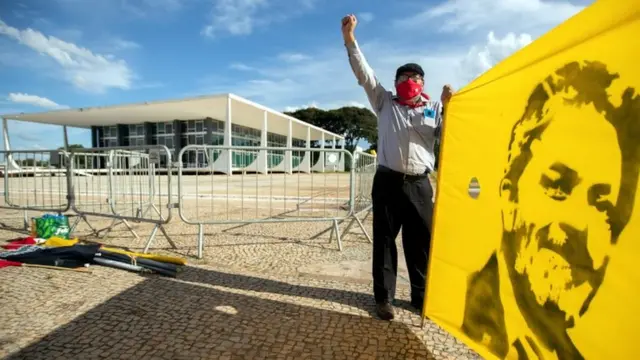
pixel 542 262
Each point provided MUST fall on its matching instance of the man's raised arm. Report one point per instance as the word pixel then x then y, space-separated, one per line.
pixel 361 69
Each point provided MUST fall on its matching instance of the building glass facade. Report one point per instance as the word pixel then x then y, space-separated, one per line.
pixel 135 135
pixel 108 136
pixel 179 133
pixel 193 132
pixel 162 133
pixel 244 136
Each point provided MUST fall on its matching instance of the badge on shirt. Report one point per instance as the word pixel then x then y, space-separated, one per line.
pixel 429 113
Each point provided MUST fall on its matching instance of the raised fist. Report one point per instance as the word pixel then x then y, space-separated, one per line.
pixel 349 23
pixel 447 92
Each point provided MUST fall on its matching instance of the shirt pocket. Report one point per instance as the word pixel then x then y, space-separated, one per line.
pixel 424 125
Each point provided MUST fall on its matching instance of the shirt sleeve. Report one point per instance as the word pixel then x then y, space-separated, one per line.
pixel 365 76
pixel 439 115
pixel 437 133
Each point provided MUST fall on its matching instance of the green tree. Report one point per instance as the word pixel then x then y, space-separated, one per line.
pixel 72 147
pixel 354 123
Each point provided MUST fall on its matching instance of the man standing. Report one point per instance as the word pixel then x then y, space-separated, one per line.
pixel 408 123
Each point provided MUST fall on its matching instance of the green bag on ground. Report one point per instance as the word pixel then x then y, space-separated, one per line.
pixel 50 225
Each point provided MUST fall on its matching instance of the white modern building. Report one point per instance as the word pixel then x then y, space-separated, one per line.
pixel 225 119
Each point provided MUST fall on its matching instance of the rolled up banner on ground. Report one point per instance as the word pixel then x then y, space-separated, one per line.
pixel 536 226
pixel 156 266
pixel 156 257
pixel 117 264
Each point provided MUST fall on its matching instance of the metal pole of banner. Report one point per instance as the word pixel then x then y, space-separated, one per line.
pixel 69 169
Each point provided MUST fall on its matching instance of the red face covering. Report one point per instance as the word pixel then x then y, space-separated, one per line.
pixel 407 91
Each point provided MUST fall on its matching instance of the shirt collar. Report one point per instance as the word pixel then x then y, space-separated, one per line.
pixel 424 98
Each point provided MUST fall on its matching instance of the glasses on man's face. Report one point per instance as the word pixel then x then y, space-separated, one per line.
pixel 415 77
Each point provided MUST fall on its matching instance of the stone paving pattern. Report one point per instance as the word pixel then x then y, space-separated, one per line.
pixel 257 294
pixel 206 313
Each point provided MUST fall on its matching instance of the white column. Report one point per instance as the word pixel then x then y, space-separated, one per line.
pixel 342 157
pixel 227 138
pixel 307 155
pixel 11 163
pixel 333 147
pixel 323 154
pixel 263 157
pixel 288 158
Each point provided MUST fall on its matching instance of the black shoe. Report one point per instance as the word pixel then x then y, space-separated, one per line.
pixel 385 311
pixel 417 304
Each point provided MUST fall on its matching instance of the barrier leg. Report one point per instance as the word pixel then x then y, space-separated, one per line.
pixel 26 220
pixel 346 230
pixel 151 237
pixel 169 240
pixel 200 241
pixel 126 223
pixel 337 231
pixel 74 225
pixel 76 222
pixel 362 226
pixel 114 223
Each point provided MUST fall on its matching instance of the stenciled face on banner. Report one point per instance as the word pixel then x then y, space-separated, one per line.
pixel 562 212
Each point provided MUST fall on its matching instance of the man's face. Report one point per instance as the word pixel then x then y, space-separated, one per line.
pixel 566 195
pixel 410 75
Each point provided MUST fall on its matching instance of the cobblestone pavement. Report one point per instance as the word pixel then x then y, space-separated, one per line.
pixel 206 313
pixel 218 308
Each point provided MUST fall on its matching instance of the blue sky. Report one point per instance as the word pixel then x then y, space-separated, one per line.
pixel 285 54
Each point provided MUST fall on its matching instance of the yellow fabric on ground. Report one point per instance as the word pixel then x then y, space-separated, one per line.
pixel 156 257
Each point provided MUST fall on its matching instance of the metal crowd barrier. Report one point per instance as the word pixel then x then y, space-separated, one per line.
pixel 32 186
pixel 271 193
pixel 117 182
pixel 364 169
pixel 265 185
pixel 132 190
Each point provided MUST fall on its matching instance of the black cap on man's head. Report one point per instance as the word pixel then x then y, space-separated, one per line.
pixel 411 67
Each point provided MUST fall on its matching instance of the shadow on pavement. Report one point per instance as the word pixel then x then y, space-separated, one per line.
pixel 203 315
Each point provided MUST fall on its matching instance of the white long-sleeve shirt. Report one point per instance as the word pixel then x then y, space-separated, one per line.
pixel 406 136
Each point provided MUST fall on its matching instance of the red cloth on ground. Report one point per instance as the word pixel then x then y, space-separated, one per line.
pixel 18 243
pixel 7 263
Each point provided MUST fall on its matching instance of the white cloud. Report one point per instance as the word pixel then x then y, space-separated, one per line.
pixel 469 15
pixel 365 17
pixel 118 44
pixel 241 67
pixel 34 100
pixel 482 58
pixel 313 104
pixel 327 80
pixel 135 8
pixel 165 5
pixel 80 66
pixel 237 17
pixel 325 77
pixel 241 17
pixel 293 57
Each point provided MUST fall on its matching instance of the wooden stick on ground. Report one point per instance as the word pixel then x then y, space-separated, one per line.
pixel 81 269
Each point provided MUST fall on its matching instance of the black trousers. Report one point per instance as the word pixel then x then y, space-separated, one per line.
pixel 400 202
